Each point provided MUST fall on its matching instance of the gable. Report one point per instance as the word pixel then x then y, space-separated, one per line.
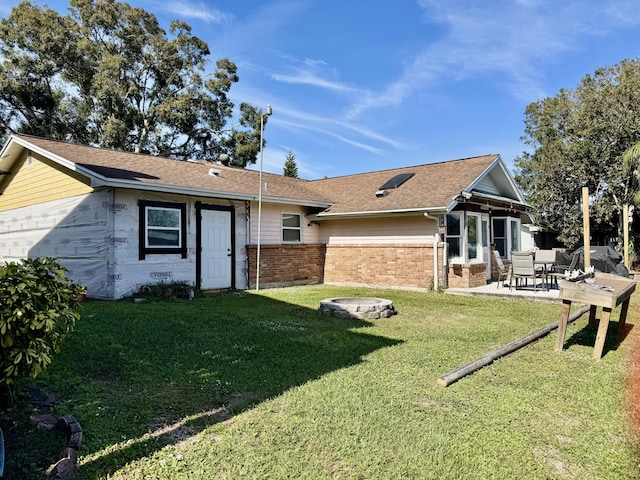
pixel 497 182
pixel 34 179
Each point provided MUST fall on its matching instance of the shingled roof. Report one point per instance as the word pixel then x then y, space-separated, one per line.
pixel 432 187
pixel 115 168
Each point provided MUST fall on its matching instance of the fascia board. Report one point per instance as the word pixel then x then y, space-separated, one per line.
pixel 376 213
pixel 95 179
pixel 488 196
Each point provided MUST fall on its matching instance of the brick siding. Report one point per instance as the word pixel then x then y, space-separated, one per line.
pixel 467 275
pixel 283 265
pixel 387 265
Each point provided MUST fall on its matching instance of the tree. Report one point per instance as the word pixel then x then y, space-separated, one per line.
pixel 578 139
pixel 107 74
pixel 631 166
pixel 290 166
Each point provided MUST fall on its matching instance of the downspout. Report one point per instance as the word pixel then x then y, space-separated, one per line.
pixel 247 226
pixel 436 243
pixel 436 279
pixel 445 269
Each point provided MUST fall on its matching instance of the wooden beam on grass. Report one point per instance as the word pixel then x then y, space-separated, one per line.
pixel 455 375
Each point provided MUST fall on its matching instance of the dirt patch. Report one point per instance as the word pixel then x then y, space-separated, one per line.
pixel 552 457
pixel 633 391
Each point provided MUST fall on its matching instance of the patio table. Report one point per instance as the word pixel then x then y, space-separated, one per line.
pixel 607 291
pixel 546 267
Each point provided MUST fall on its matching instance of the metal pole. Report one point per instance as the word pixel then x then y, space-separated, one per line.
pixel 259 208
pixel 260 197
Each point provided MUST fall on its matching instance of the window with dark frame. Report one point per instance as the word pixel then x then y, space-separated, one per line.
pixel 162 228
pixel 291 228
pixel 500 235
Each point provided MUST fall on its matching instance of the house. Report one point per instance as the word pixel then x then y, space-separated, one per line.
pixel 119 220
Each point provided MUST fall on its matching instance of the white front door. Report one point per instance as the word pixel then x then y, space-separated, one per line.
pixel 216 252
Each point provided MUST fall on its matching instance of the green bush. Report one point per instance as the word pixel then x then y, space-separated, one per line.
pixel 38 308
pixel 167 291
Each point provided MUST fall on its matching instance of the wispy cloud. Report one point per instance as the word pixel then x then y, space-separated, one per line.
pixel 335 133
pixel 305 77
pixel 192 10
pixel 516 40
pixel 312 72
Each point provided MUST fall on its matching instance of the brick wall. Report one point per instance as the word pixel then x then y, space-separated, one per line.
pixel 388 265
pixel 282 265
pixel 467 275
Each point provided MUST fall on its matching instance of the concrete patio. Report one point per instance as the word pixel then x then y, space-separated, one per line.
pixel 502 291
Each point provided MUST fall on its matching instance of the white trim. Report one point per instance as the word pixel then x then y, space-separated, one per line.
pixel 298 229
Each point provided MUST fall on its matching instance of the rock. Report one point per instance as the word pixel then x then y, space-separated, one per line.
pixel 65 469
pixel 44 421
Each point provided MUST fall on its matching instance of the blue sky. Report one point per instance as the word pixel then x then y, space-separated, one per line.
pixel 359 85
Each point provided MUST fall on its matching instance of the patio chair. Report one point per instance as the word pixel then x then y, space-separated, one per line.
pixel 523 268
pixel 560 271
pixel 545 260
pixel 502 269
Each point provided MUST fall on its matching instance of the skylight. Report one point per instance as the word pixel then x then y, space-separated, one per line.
pixel 396 181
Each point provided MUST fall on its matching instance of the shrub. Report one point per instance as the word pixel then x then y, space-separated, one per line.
pixel 166 291
pixel 38 308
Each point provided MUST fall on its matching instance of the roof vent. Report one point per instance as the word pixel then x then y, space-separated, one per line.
pixel 396 181
pixel 382 193
pixel 214 172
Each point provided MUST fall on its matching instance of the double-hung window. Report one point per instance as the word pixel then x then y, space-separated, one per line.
pixel 506 235
pixel 162 228
pixel 291 228
pixel 454 235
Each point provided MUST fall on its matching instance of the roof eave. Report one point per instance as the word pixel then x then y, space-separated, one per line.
pixel 377 213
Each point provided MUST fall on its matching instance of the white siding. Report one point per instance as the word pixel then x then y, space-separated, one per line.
pixel 393 230
pixel 527 241
pixel 271 224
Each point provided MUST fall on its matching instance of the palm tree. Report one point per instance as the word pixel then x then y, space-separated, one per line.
pixel 631 170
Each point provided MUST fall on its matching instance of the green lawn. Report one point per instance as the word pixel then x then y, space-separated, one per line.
pixel 261 386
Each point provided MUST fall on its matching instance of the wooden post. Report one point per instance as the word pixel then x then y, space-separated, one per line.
pixel 585 222
pixel 625 233
pixel 455 375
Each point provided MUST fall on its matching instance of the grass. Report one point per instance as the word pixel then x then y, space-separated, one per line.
pixel 260 385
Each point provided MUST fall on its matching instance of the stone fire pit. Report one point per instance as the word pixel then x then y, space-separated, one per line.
pixel 356 307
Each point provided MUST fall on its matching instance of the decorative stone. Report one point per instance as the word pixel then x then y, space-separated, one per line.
pixel 65 469
pixel 75 440
pixel 45 421
pixel 355 307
